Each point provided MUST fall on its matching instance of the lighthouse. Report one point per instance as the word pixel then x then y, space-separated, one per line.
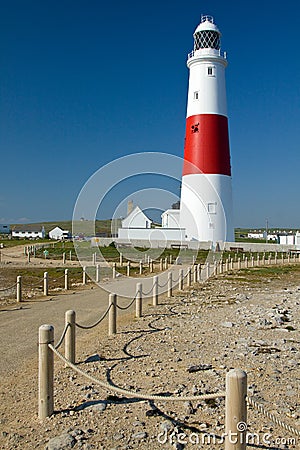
pixel 206 193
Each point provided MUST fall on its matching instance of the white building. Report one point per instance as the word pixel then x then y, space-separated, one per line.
pixel 170 218
pixel 136 219
pixel 58 234
pixel 138 226
pixel 31 231
pixel 289 239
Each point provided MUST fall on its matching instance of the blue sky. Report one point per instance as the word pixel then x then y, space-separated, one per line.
pixel 85 82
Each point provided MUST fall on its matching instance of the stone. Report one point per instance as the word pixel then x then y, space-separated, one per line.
pixel 64 441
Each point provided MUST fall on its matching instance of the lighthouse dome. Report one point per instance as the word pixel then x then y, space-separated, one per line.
pixel 207 34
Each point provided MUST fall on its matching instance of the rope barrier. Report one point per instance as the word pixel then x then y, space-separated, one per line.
pixel 62 336
pixel 272 417
pixel 112 387
pixel 8 288
pixel 88 327
pixel 128 306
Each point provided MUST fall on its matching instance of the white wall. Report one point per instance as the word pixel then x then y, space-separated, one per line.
pixel 155 234
pixel 136 219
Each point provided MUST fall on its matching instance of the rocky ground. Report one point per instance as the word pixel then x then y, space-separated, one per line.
pixel 185 346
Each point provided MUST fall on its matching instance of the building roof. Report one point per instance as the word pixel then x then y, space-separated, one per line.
pixel 30 227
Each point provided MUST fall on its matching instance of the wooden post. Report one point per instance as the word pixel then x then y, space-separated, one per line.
pixel 66 279
pixel 207 270
pixel 282 258
pixel 112 314
pixel 97 273
pixel 128 269
pixel 199 272
pixel 252 261
pixel 171 259
pixel 141 267
pixel 138 300
pixel 166 263
pixel 70 338
pixel 246 262
pixel 189 278
pixel 258 259
pixel 161 267
pixel 45 283
pixel 181 278
pixel 239 264
pixel 169 284
pixel 70 255
pixel 236 410
pixel 114 269
pixel 155 291
pixel 151 266
pixel 28 256
pixel 195 278
pixel 84 275
pixel 226 265
pixel 19 288
pixel 46 372
pixel 121 259
pixel 64 258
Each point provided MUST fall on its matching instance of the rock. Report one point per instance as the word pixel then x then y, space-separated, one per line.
pixel 140 435
pixel 227 324
pixel 199 367
pixel 64 441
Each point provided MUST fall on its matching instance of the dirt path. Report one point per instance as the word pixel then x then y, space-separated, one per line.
pixel 185 346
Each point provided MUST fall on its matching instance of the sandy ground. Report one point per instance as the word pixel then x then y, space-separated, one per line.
pixel 185 346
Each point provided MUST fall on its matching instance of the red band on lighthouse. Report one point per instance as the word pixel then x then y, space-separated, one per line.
pixel 207 145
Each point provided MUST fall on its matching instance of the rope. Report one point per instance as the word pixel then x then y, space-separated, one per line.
pixel 128 306
pixel 88 327
pixel 149 292
pixel 163 285
pixel 272 417
pixel 8 288
pixel 34 285
pixel 62 336
pixel 112 387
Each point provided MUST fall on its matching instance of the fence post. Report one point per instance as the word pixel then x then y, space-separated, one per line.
pixel 64 258
pixel 161 267
pixel 207 270
pixel 121 259
pixel 128 269
pixel 45 283
pixel 70 255
pixel 28 256
pixel 188 280
pixel 46 404
pixel 195 278
pixel 141 267
pixel 239 263
pixel 169 284
pixel 112 314
pixel 19 288
pixel 84 275
pixel 166 263
pixel 155 291
pixel 66 279
pixel 114 270
pixel 181 277
pixel 97 273
pixel 199 272
pixel 151 265
pixel 138 300
pixel 236 410
pixel 70 339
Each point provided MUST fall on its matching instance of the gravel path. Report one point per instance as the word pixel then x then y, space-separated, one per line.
pixel 185 346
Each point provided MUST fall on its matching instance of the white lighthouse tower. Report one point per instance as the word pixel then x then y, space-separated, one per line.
pixel 206 195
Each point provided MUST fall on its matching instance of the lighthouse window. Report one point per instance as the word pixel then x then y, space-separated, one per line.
pixel 211 71
pixel 211 208
pixel 196 95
